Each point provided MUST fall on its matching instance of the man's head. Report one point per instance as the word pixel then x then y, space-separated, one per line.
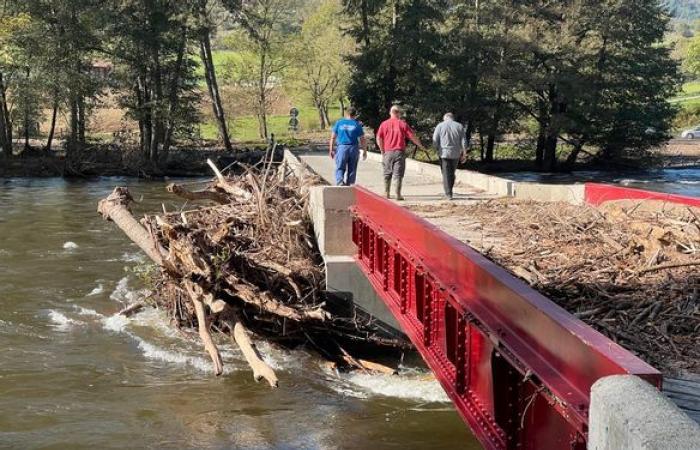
pixel 351 112
pixel 395 112
pixel 448 116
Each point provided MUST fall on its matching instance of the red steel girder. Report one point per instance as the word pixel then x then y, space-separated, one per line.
pixel 596 194
pixel 518 368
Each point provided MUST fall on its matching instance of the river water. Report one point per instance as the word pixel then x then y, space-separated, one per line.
pixel 682 181
pixel 74 375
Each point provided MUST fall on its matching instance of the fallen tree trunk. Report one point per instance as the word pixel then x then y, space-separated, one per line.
pixel 260 368
pixel 116 208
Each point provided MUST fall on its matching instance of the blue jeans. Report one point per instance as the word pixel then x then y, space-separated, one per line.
pixel 346 159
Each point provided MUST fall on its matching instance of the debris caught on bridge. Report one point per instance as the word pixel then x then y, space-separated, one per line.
pixel 629 269
pixel 247 262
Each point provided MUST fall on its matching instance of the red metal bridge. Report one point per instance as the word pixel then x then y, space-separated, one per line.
pixel 518 368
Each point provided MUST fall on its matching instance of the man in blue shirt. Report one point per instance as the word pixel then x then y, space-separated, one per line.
pixel 350 137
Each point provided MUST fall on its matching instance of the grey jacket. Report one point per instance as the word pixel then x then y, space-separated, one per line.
pixel 450 139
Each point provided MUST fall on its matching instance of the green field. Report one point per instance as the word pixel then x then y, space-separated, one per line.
pixel 689 94
pixel 245 128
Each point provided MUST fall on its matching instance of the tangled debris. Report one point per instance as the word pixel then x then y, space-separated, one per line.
pixel 628 269
pixel 248 261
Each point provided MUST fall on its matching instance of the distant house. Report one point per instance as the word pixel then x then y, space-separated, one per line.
pixel 102 69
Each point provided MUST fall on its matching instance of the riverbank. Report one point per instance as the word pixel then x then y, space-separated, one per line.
pixel 111 160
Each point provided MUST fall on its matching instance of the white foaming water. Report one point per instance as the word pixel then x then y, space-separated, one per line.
pixel 123 294
pixel 152 351
pixel 96 291
pixel 70 245
pixel 61 321
pixel 116 323
pixel 411 386
pixel 689 181
pixel 133 257
pixel 87 312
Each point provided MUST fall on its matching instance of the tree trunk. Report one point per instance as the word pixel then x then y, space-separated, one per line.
pixel 158 131
pixel 81 121
pixel 26 129
pixel 342 106
pixel 490 144
pixel 325 115
pixel 550 152
pixel 116 208
pixel 213 86
pixel 52 127
pixel 172 100
pixel 573 156
pixel 73 139
pixel 321 115
pixel 539 151
pixel 5 137
pixel 260 368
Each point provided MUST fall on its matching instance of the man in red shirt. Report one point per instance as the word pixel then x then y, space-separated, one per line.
pixel 391 140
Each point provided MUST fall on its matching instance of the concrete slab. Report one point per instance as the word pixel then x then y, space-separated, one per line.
pixel 417 186
pixel 628 413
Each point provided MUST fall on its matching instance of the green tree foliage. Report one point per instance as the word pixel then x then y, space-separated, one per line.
pixel 267 28
pixel 319 69
pixel 587 72
pixel 398 44
pixel 152 42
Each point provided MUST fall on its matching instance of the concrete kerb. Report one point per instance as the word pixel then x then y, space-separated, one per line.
pixel 628 413
pixel 568 193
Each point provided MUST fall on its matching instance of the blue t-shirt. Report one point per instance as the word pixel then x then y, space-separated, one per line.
pixel 348 131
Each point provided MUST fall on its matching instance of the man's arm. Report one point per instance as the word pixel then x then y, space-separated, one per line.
pixel 408 132
pixel 331 151
pixel 465 146
pixel 436 138
pixel 416 142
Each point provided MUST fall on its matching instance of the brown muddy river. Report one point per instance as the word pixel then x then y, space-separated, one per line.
pixel 73 375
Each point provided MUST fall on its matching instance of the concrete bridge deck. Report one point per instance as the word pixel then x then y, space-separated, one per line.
pixel 417 187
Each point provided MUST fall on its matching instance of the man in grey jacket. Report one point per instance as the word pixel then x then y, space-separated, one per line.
pixel 450 141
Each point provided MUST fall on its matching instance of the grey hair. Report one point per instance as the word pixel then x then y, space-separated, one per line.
pixel 395 110
pixel 448 116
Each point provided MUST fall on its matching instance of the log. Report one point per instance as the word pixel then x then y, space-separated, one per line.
pixel 203 326
pixel 252 296
pixel 206 194
pixel 260 368
pixel 116 208
pixel 226 186
pixel 131 309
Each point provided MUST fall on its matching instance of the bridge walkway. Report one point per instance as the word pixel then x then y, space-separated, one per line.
pixel 417 187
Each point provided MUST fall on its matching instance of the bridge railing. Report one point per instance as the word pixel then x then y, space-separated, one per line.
pixel 518 367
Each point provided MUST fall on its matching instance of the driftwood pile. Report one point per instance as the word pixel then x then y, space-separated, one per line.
pixel 630 270
pixel 247 261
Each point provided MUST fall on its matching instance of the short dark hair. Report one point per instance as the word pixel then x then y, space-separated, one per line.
pixel 352 112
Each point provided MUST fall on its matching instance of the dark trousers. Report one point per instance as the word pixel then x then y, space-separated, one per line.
pixel 449 166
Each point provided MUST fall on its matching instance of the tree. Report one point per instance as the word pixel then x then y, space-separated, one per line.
pixel 319 68
pixel 13 23
pixel 266 25
pixel 155 73
pixel 398 43
pixel 205 31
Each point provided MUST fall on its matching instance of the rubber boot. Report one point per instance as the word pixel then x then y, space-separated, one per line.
pixel 387 187
pixel 399 182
